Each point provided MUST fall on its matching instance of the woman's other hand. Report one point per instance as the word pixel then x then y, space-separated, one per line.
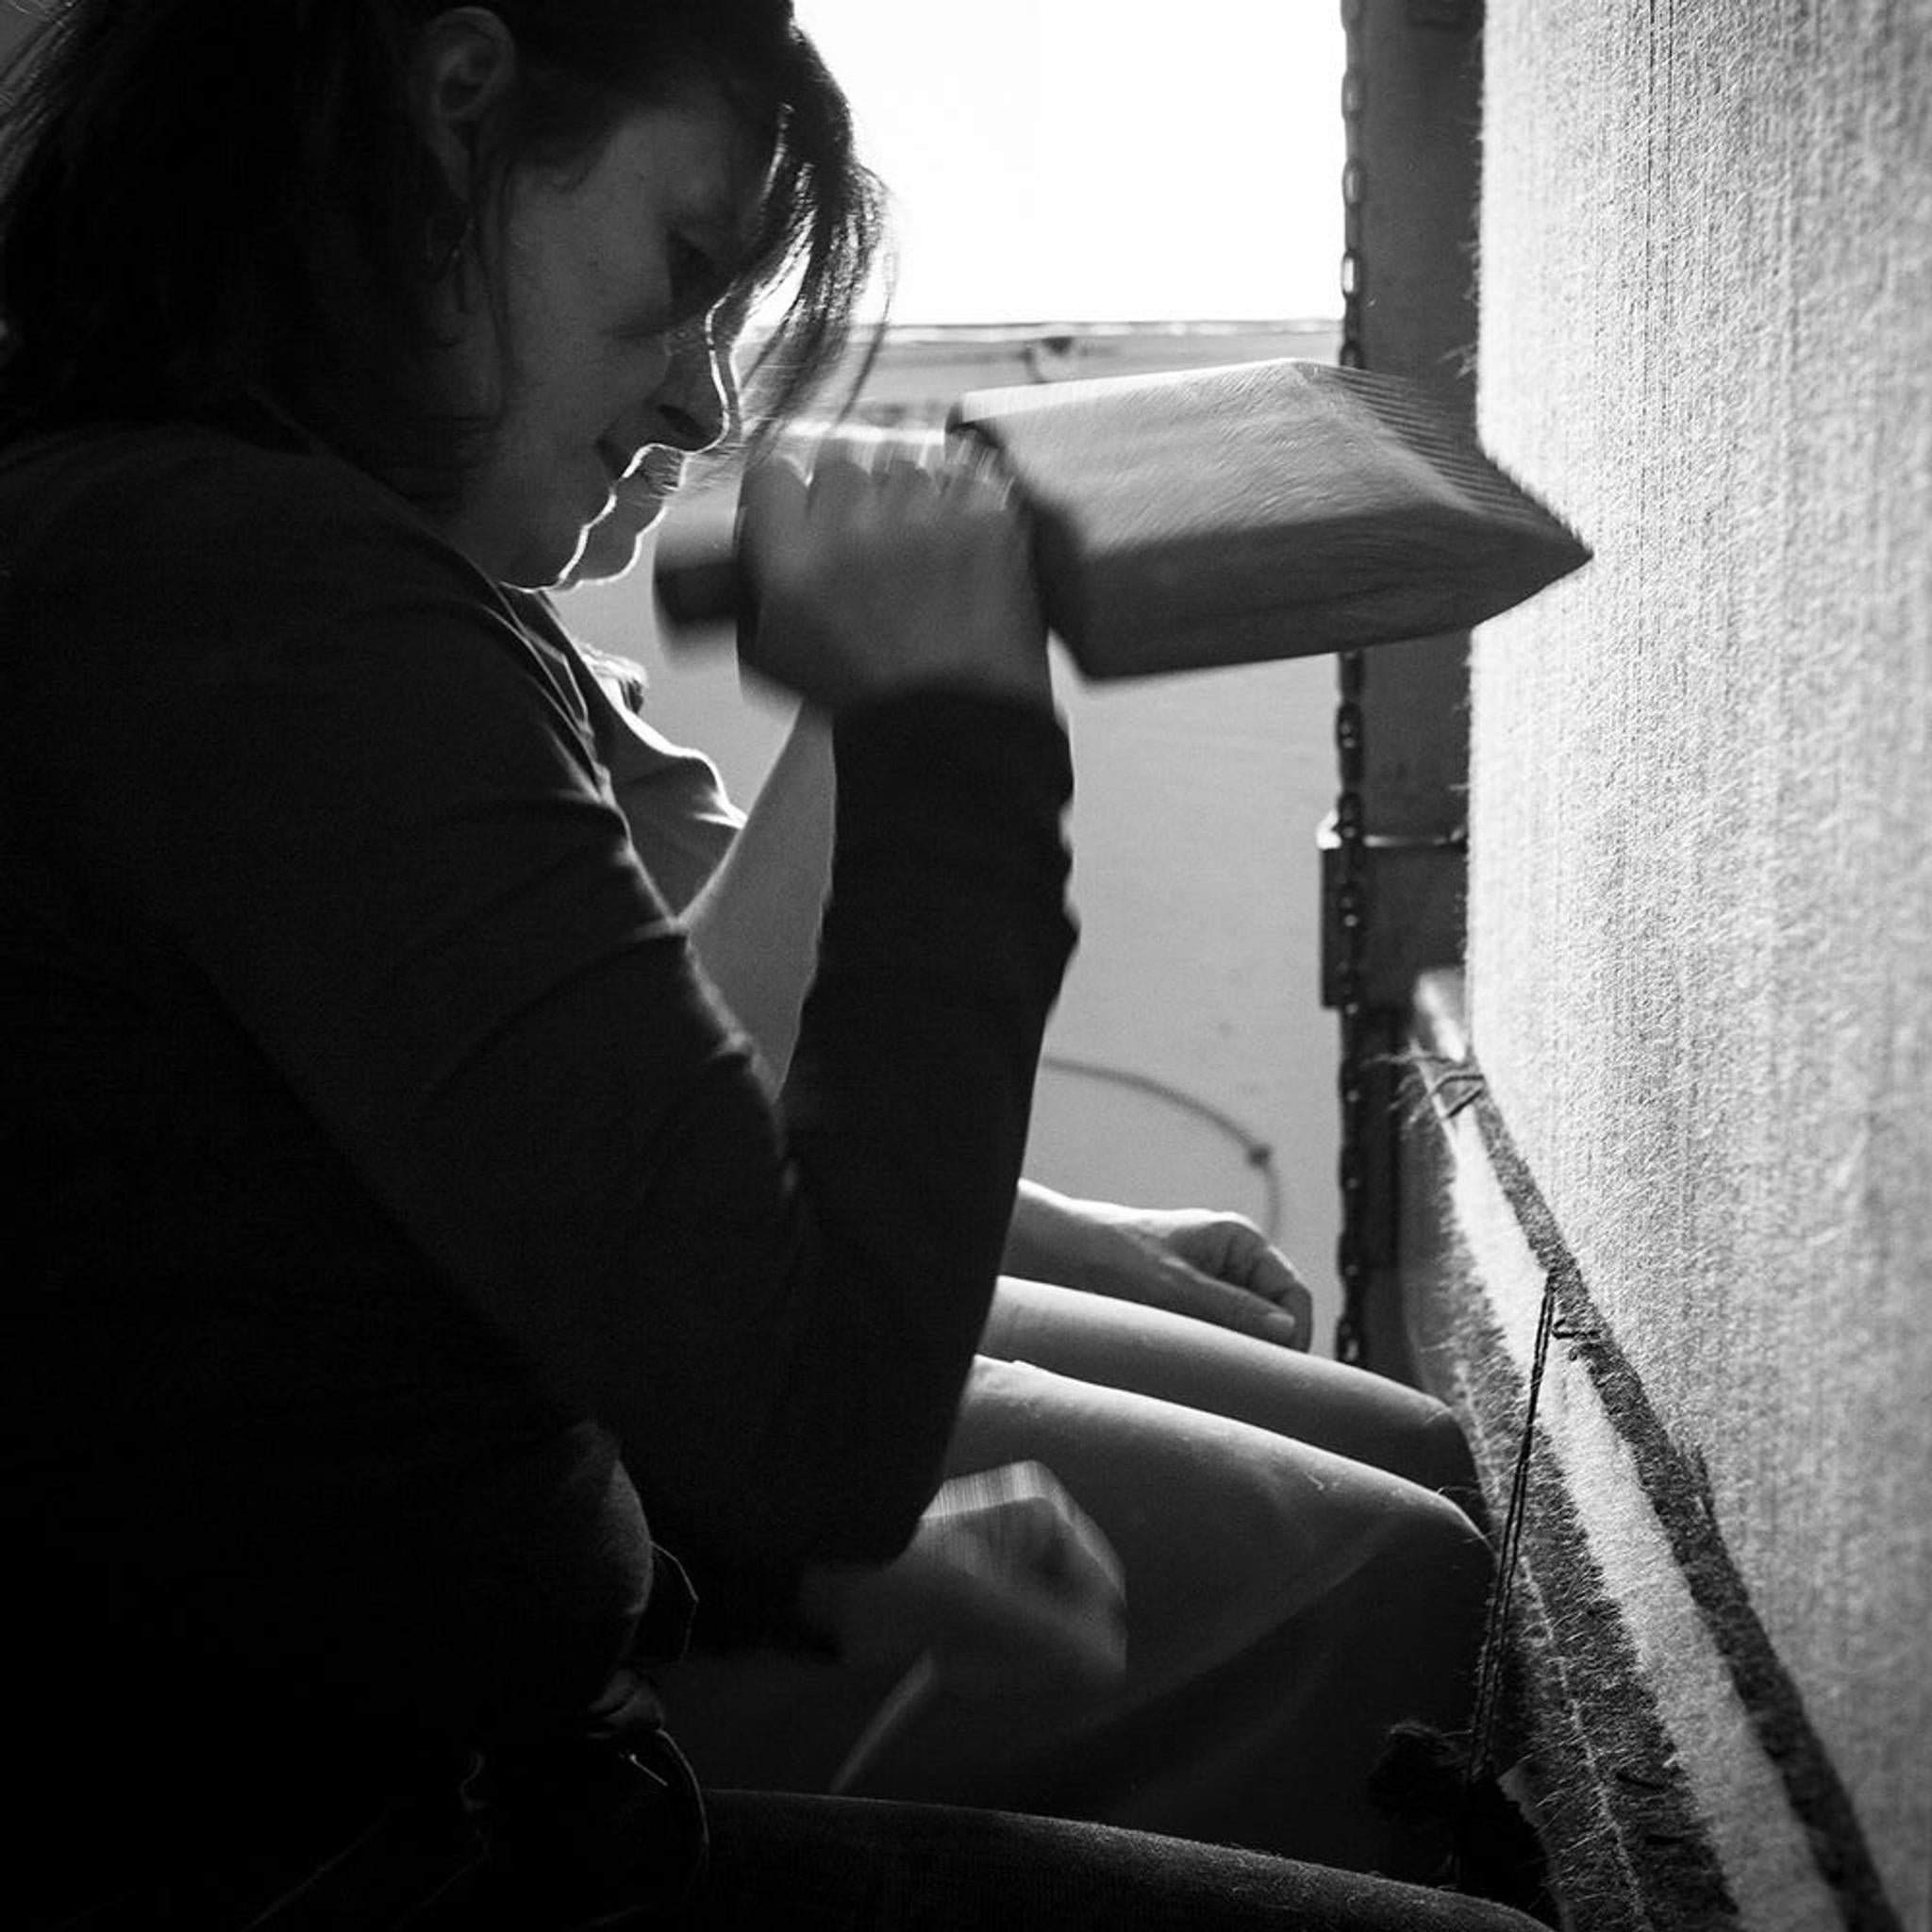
pixel 1007 1583
pixel 883 563
pixel 1218 1268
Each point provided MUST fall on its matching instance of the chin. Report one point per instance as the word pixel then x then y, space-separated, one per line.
pixel 603 563
pixel 548 556
pixel 548 567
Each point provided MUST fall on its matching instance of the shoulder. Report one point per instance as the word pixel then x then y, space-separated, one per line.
pixel 179 573
pixel 185 504
pixel 191 544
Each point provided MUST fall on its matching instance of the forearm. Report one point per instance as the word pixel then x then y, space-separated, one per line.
pixel 911 1093
pixel 1035 1245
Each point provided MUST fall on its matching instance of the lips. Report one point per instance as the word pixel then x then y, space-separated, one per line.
pixel 642 476
pixel 661 471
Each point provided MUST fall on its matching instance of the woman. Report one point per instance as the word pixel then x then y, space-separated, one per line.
pixel 397 1206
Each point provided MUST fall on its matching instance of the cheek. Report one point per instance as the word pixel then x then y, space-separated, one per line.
pixel 577 376
pixel 467 373
pixel 643 370
pixel 601 388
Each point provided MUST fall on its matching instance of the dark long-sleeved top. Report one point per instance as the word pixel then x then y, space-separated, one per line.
pixel 682 823
pixel 400 1225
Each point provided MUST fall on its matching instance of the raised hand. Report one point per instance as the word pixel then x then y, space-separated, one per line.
pixel 879 562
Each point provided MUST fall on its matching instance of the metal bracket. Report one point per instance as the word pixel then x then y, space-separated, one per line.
pixel 1456 16
pixel 1409 900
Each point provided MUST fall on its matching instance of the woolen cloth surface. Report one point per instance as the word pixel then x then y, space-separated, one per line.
pixel 1702 783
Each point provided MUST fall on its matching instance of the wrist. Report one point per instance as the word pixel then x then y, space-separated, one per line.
pixel 1029 1234
pixel 1050 1237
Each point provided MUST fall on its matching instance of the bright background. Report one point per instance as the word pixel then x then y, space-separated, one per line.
pixel 1085 160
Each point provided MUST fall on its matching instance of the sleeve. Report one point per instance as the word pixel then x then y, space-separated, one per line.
pixel 344 786
pixel 681 822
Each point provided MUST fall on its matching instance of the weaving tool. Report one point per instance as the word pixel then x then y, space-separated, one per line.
pixel 1231 516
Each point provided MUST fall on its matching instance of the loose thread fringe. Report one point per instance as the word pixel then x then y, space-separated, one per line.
pixel 1509 1552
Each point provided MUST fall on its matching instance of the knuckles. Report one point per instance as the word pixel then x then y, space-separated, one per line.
pixel 868 577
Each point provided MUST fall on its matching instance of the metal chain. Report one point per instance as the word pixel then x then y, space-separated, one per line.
pixel 1349 873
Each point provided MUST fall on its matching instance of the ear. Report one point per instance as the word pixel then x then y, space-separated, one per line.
pixel 464 66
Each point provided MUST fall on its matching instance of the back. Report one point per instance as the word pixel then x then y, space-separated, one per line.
pixel 256 1453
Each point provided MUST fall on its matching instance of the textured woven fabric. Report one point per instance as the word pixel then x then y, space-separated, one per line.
pixel 1702 890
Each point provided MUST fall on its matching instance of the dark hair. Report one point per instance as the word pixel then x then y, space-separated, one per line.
pixel 204 203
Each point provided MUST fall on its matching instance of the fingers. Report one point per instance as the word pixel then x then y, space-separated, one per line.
pixel 1038 1528
pixel 880 475
pixel 879 561
pixel 1188 1291
pixel 1007 1583
pixel 1262 1270
pixel 844 473
pixel 1231 1252
pixel 1041 1591
pixel 1298 1306
pixel 848 469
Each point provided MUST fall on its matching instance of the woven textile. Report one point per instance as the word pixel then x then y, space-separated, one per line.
pixel 1701 901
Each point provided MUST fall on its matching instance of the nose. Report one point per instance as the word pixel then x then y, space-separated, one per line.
pixel 698 399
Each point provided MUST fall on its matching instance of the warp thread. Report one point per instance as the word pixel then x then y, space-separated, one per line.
pixel 1675 1484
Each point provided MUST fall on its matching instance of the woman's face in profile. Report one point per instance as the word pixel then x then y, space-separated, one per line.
pixel 607 276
